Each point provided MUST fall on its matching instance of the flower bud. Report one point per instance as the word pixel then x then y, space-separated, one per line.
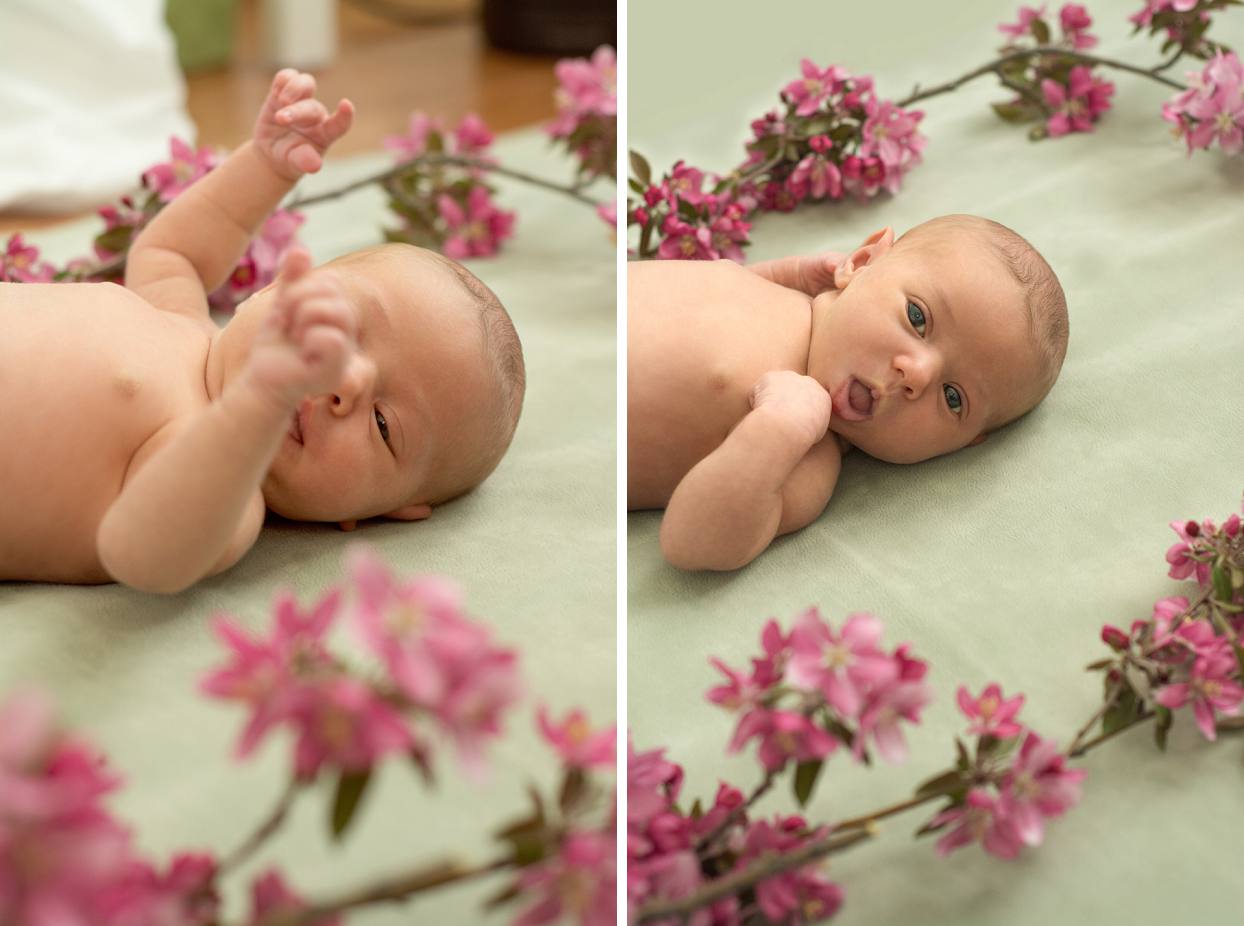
pixel 1192 529
pixel 1113 637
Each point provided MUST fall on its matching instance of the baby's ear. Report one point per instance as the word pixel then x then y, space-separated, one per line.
pixel 410 513
pixel 867 253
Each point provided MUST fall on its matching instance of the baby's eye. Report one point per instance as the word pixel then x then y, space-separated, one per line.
pixel 382 425
pixel 953 399
pixel 915 315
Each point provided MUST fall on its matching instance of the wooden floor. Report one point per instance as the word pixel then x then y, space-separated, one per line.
pixel 387 70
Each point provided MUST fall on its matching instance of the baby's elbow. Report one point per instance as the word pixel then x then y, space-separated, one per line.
pixel 699 556
pixel 138 572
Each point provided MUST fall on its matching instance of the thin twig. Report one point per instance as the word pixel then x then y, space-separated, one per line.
pixel 1115 691
pixel 733 816
pixel 1101 738
pixel 264 831
pixel 871 818
pixel 995 66
pixel 447 160
pixel 765 867
pixel 394 889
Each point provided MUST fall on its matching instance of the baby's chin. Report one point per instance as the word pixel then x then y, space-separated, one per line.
pixel 880 450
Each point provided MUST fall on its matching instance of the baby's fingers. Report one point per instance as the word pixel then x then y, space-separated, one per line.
pixel 325 353
pixel 340 121
pixel 302 113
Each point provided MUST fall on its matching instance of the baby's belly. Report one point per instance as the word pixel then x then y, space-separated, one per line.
pixel 82 388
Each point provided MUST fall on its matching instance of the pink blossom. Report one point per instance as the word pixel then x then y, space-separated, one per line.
pixel 864 177
pixel 1211 687
pixel 683 241
pixel 802 891
pixel 818 177
pixel 1027 15
pixel 472 136
pixel 882 713
pixel 843 667
pixel 1075 21
pixel 267 674
pixel 1153 7
pixel 608 213
pixel 270 896
pixel 890 134
pixel 683 183
pixel 814 87
pixel 476 230
pixel 578 885
pixel 978 819
pixel 1182 556
pixel 126 216
pixel 991 714
pixel 444 662
pixel 185 895
pixel 652 783
pixel 258 266
pixel 1078 105
pixel 1216 110
pixel 343 723
pixel 1165 612
pixel 728 232
pixel 421 129
pixel 1038 785
pixel 586 87
pixel 168 180
pixel 20 263
pixel 784 735
pixel 576 743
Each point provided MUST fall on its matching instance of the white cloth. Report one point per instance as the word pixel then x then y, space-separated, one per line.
pixel 90 91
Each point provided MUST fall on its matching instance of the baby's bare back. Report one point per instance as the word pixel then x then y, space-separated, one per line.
pixel 699 337
pixel 88 374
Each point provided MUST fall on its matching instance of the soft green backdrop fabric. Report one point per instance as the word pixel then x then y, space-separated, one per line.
pixel 534 549
pixel 1000 562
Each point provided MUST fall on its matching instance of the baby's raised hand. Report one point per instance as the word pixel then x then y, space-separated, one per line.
pixel 308 338
pixel 294 129
pixel 799 402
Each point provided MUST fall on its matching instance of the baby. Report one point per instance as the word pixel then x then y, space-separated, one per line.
pixel 746 386
pixel 143 444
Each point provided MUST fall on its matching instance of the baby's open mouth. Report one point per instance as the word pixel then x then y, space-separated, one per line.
pixel 854 400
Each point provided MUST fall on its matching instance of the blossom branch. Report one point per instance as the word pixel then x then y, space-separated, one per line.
pixel 996 66
pixel 401 887
pixel 767 867
pixel 449 160
pixel 264 831
pixel 738 812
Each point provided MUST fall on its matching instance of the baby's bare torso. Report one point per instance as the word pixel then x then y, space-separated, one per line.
pixel 89 375
pixel 699 336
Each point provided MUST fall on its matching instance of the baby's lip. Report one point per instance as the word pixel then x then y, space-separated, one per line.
pixel 841 398
pixel 298 427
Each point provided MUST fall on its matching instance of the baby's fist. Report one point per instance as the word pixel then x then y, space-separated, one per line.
pixel 799 402
pixel 308 337
pixel 294 129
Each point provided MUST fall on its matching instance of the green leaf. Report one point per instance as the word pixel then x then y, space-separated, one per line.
pixel 928 827
pixel 641 168
pixel 939 784
pixel 1222 582
pixel 573 789
pixel 1015 113
pixel 350 789
pixel 636 187
pixel 1121 712
pixel 510 892
pixel 115 239
pixel 1040 31
pixel 1162 723
pixel 1099 665
pixel 688 211
pixel 806 774
pixel 962 761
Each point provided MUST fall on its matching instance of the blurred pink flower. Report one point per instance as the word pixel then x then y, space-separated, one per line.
pixel 169 179
pixel 345 724
pixel 816 85
pixel 1181 556
pixel 991 714
pixel 684 241
pixel 843 667
pixel 184 895
pixel 1038 785
pixel 1075 20
pixel 472 136
pixel 258 266
pixel 576 743
pixel 803 892
pixel 415 141
pixel 270 895
pixel 864 177
pixel 978 819
pixel 883 711
pixel 1078 105
pixel 476 230
pixel 578 885
pixel 1027 15
pixel 890 134
pixel 1211 687
pixel 818 177
pixel 1153 7
pixel 20 263
pixel 586 87
pixel 784 735
pixel 1217 107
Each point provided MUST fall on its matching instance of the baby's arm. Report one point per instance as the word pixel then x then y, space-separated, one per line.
pixel 773 474
pixel 193 505
pixel 194 242
pixel 811 275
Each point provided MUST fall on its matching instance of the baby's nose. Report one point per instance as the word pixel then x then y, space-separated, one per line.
pixel 357 385
pixel 916 370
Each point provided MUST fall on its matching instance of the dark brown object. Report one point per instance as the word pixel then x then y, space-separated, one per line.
pixel 551 27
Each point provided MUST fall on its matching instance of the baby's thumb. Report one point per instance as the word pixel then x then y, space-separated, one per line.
pixel 294 264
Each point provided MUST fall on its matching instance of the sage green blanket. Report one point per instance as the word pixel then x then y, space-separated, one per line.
pixel 534 549
pixel 1000 562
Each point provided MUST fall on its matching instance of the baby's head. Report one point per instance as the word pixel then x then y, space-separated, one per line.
pixel 427 407
pixel 930 342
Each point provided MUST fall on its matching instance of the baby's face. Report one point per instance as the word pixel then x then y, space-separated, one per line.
pixel 925 349
pixel 408 410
